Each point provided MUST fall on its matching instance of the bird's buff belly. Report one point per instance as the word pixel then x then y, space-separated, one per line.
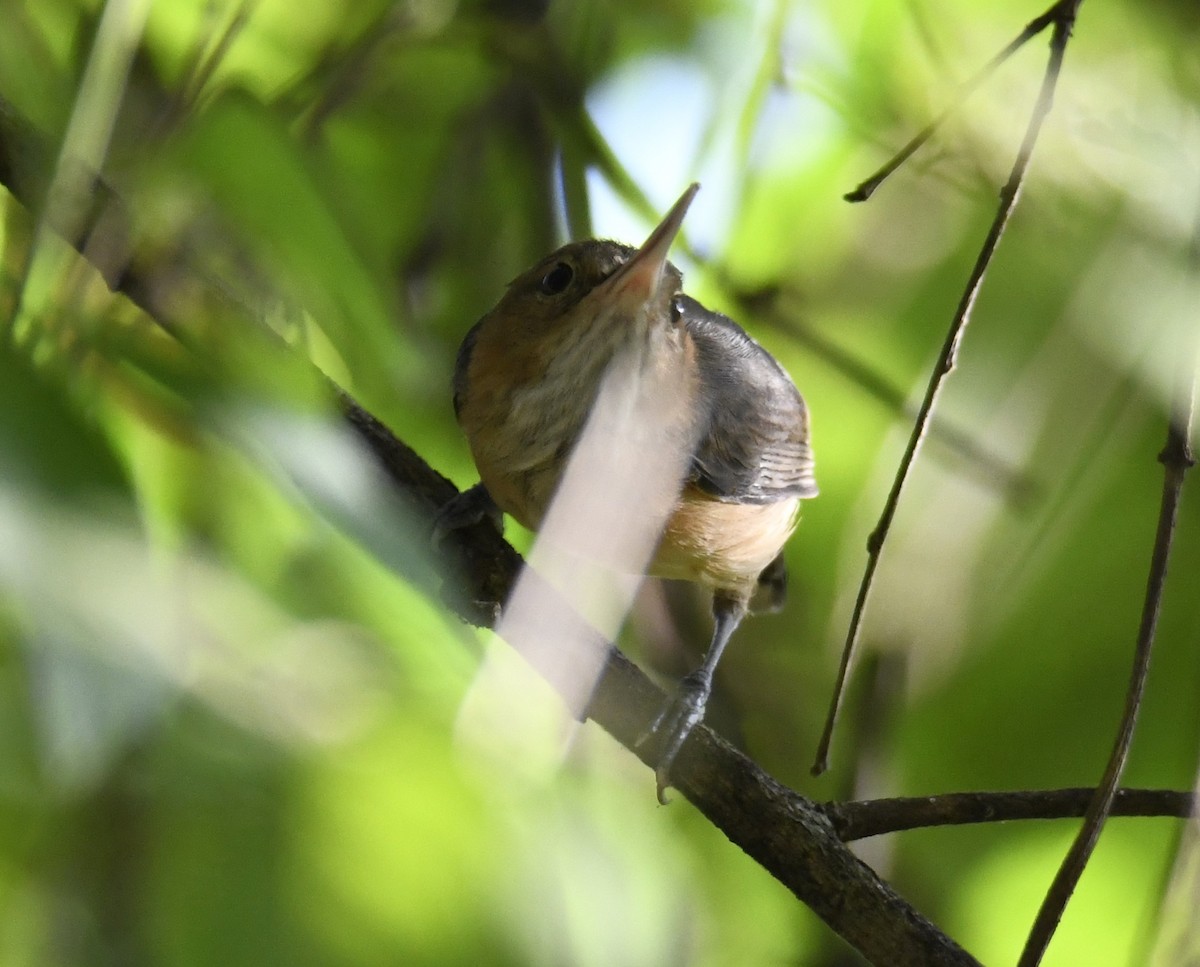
pixel 722 544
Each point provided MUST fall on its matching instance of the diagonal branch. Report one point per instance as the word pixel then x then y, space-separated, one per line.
pixel 787 834
pixel 1009 194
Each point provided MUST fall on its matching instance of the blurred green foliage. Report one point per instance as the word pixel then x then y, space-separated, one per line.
pixel 236 724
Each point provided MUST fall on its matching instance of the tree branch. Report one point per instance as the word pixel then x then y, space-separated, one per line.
pixel 873 817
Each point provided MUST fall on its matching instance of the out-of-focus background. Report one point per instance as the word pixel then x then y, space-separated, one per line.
pixel 236 724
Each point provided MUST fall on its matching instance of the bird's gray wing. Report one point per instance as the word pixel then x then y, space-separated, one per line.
pixel 754 447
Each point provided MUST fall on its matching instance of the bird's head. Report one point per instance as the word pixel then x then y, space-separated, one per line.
pixel 599 287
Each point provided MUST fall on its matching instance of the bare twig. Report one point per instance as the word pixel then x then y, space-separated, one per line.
pixel 1176 458
pixel 873 817
pixel 1009 194
pixel 867 188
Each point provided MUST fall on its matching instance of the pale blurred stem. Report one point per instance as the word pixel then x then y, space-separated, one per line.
pixel 874 817
pixel 1063 18
pixel 576 201
pixel 1060 12
pixel 1176 458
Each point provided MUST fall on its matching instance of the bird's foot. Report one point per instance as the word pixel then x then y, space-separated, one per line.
pixel 682 713
pixel 470 507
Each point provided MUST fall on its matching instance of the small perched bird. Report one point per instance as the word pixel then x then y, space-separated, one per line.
pixel 526 378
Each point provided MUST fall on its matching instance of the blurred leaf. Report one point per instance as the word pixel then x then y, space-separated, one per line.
pixel 44 443
pixel 238 725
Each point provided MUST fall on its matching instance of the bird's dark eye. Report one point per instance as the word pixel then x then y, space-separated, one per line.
pixel 557 279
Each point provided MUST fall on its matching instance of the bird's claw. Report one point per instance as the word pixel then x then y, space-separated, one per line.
pixel 682 713
pixel 470 507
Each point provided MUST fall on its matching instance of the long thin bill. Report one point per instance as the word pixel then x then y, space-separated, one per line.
pixel 638 279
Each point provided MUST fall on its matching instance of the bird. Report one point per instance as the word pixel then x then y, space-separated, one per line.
pixel 528 372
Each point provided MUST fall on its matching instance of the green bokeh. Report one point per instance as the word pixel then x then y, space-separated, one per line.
pixel 237 724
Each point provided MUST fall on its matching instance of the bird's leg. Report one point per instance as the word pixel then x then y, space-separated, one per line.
pixel 465 509
pixel 686 709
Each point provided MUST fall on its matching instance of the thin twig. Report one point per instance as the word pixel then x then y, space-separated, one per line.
pixel 867 188
pixel 1009 195
pixel 874 817
pixel 1176 458
pixel 992 469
